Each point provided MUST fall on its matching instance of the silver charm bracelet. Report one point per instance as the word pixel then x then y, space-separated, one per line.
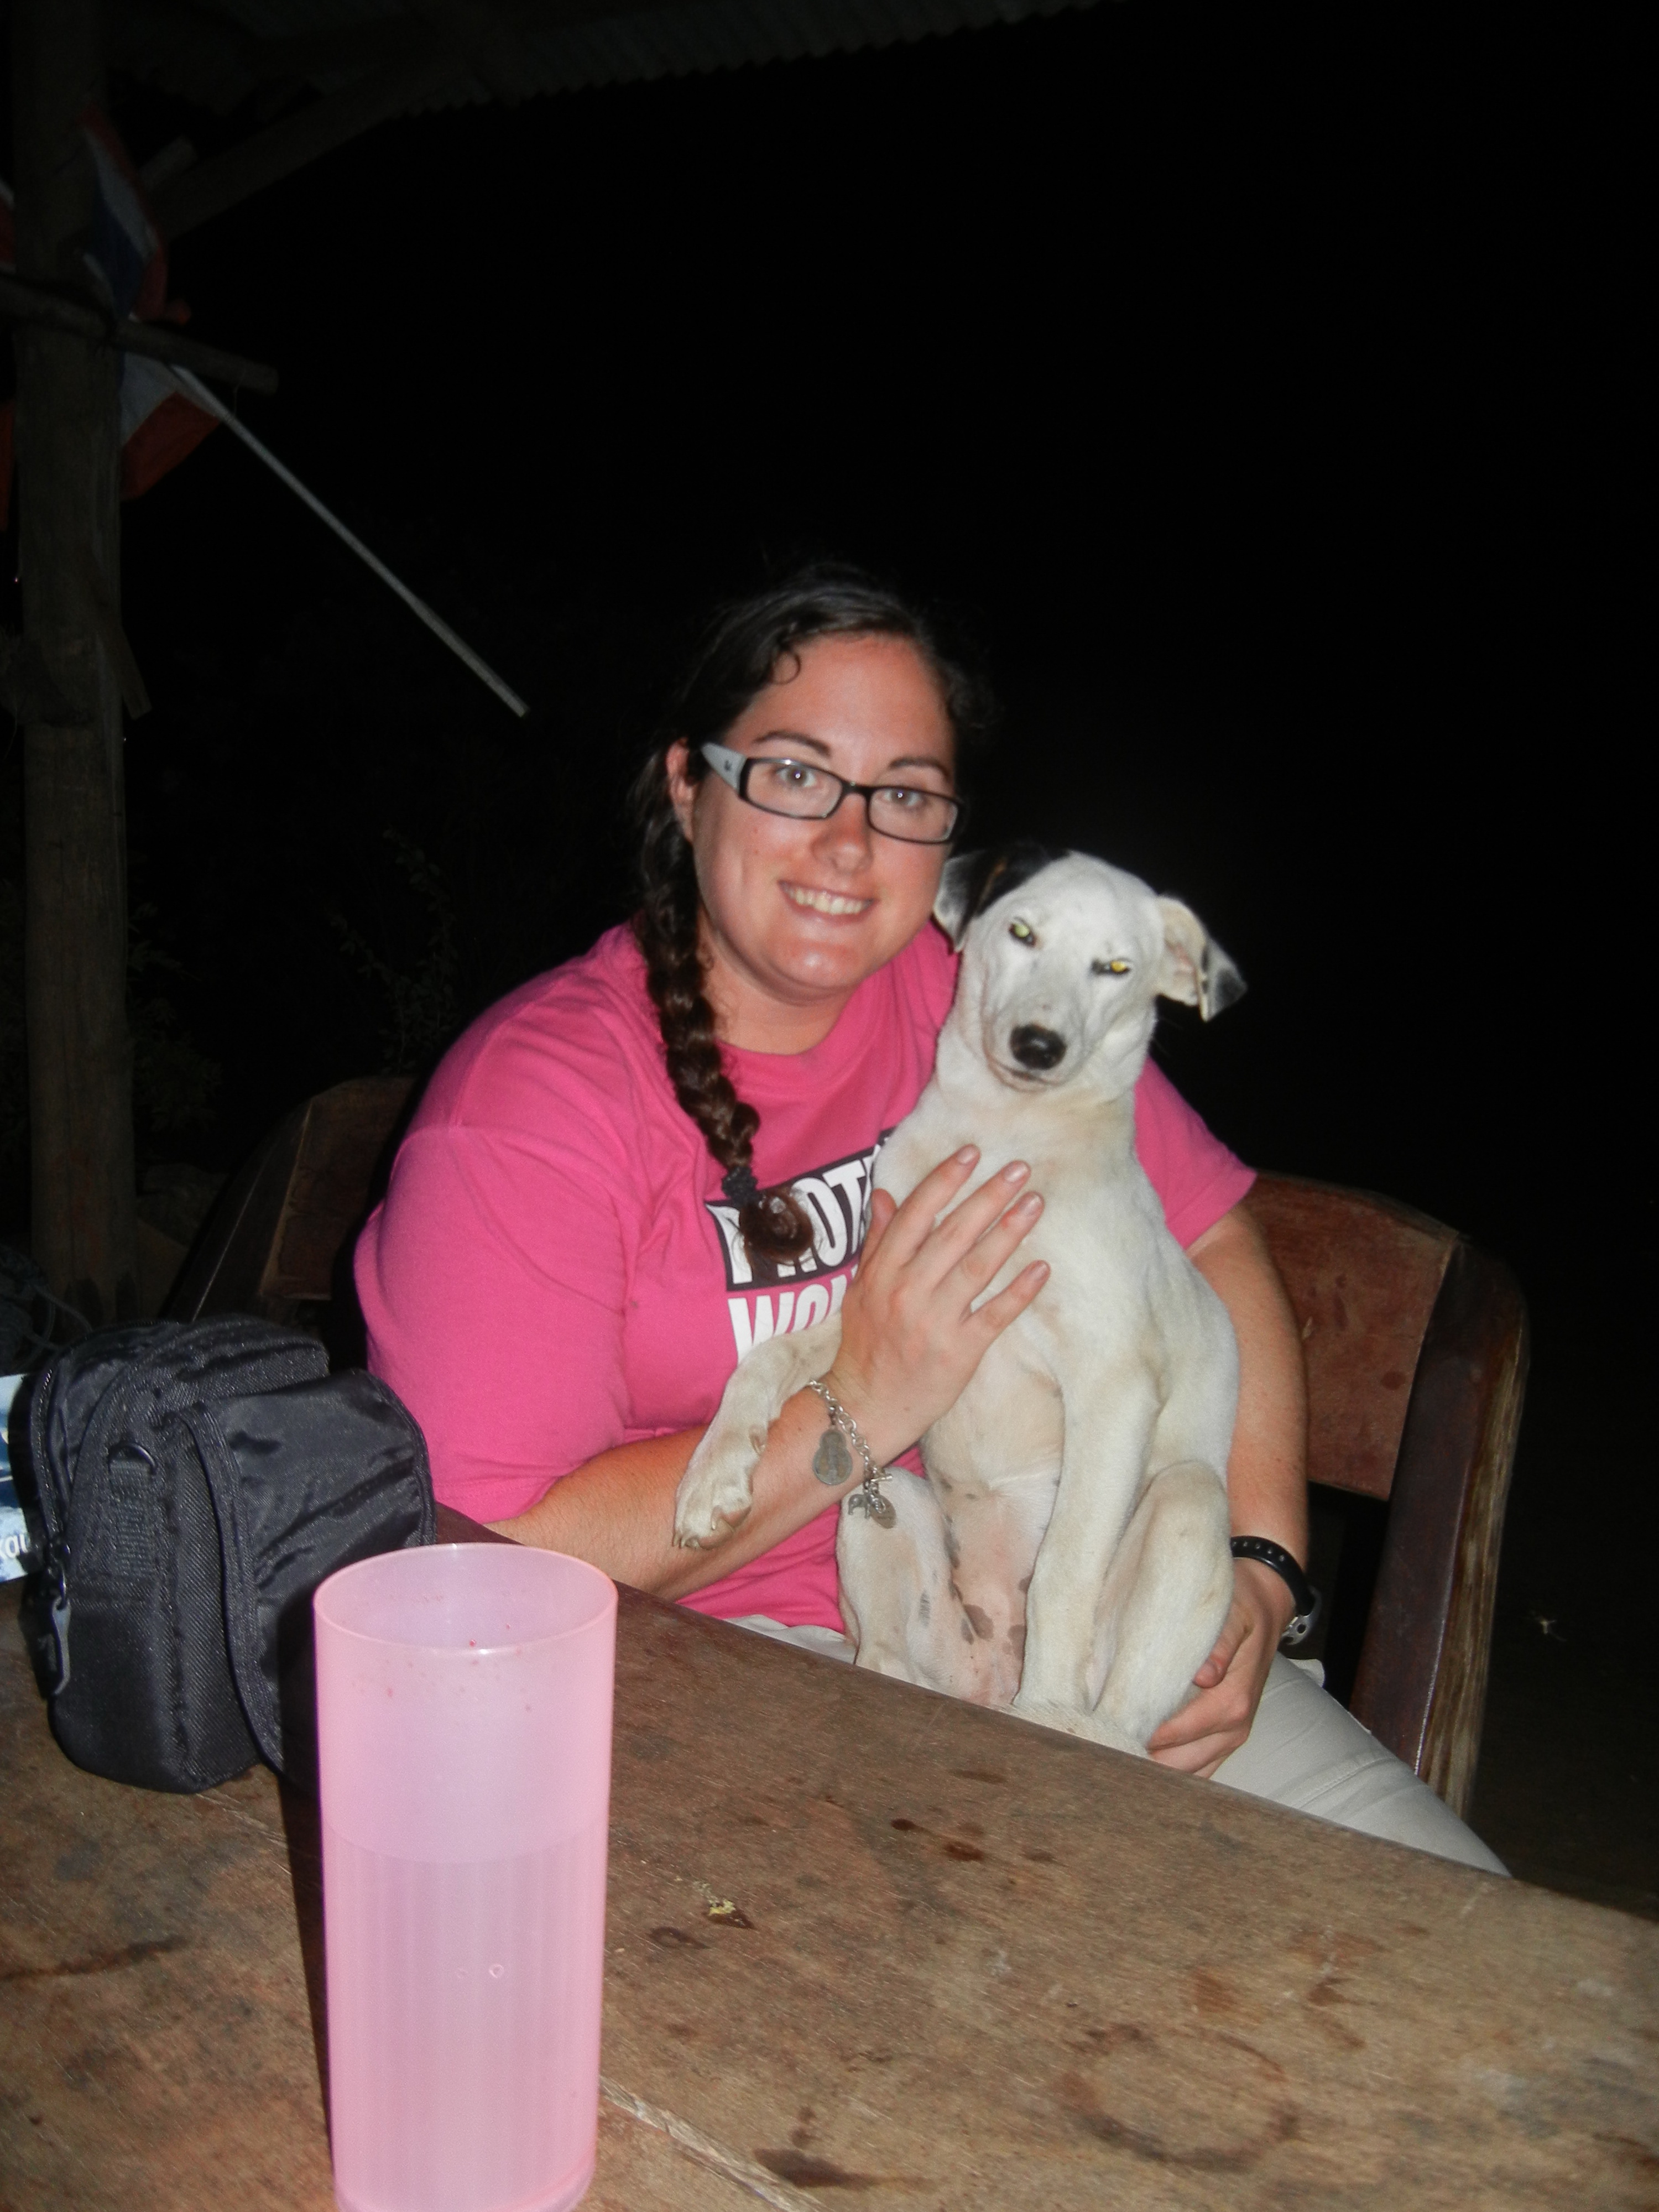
pixel 832 1462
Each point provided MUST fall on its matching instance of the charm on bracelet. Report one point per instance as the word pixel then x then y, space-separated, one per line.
pixel 867 1498
pixel 832 1462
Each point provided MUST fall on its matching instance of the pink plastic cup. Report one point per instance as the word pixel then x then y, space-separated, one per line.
pixel 464 1732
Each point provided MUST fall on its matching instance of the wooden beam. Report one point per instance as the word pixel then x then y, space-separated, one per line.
pixel 82 1185
pixel 27 690
pixel 486 38
pixel 50 311
pixel 406 63
pixel 171 160
pixel 105 604
pixel 212 187
pixel 352 49
pixel 410 63
pixel 348 49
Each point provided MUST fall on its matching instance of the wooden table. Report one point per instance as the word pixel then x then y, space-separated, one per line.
pixel 866 1946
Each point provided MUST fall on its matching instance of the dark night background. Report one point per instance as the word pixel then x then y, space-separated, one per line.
pixel 1248 379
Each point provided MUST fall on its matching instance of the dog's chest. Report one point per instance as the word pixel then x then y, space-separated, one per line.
pixel 1007 1430
pixel 1105 1304
pixel 1102 1229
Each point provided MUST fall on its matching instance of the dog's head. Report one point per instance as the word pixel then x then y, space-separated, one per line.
pixel 1064 958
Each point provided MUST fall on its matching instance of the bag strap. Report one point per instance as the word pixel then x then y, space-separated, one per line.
pixel 47 1619
pixel 241 1598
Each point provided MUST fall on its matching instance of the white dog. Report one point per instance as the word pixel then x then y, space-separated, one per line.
pixel 1069 1554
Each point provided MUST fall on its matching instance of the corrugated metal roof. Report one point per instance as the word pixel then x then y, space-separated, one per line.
pixel 695 35
pixel 217 54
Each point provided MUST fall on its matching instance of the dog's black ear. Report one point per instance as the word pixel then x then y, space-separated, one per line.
pixel 1196 970
pixel 953 908
pixel 974 881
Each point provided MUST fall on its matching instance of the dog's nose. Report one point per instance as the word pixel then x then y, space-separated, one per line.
pixel 1036 1047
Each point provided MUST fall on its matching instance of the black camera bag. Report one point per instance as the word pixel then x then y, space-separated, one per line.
pixel 193 1483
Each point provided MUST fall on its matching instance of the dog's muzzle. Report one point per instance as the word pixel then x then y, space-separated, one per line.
pixel 1036 1048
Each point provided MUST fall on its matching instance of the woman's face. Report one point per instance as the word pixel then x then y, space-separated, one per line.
pixel 801 912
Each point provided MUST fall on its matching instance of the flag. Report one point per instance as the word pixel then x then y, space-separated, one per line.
pixel 127 260
pixel 159 425
pixel 127 255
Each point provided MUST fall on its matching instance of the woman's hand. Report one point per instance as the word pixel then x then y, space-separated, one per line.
pixel 909 1344
pixel 1230 1681
pixel 910 1337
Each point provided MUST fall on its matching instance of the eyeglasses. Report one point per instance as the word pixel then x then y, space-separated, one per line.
pixel 810 793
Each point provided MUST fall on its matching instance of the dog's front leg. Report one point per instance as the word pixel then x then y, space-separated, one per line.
pixel 1109 1430
pixel 1165 1599
pixel 718 1488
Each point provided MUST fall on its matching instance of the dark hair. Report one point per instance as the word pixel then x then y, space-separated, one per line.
pixel 740 654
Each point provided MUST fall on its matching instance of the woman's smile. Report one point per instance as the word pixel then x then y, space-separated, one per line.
pixel 837 904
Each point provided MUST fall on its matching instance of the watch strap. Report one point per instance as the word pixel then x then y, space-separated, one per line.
pixel 1303 1595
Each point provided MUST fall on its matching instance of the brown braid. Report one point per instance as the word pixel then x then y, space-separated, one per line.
pixel 740 654
pixel 774 1223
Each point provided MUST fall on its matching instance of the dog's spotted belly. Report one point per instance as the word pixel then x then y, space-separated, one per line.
pixel 993 1467
pixel 992 1539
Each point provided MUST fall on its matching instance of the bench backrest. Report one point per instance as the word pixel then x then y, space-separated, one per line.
pixel 1416 1345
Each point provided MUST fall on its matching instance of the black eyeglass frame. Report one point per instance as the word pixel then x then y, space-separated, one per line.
pixel 735 769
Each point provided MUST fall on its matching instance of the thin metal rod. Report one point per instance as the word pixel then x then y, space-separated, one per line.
pixel 202 398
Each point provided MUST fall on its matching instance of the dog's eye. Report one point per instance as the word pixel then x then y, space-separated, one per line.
pixel 1022 932
pixel 1110 967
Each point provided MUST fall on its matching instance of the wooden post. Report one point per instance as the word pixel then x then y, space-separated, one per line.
pixel 69 456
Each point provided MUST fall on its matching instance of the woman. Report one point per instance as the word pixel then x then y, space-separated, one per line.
pixel 591 1216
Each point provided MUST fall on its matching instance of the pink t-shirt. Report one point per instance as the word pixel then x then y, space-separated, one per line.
pixel 555 1270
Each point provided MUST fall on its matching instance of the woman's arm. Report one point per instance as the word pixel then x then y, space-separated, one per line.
pixel 1267 1494
pixel 616 1511
pixel 910 1340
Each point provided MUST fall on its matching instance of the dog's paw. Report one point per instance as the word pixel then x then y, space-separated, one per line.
pixel 1094 1726
pixel 713 1499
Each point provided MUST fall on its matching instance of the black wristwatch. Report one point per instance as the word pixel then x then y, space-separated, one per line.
pixel 1306 1598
